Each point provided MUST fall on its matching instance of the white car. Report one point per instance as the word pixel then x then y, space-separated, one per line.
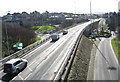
pixel 15 65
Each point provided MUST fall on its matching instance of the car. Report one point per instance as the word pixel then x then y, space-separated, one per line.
pixel 64 32
pixel 15 65
pixel 55 37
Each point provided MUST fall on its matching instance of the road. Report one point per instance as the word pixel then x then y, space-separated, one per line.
pixel 45 60
pixel 106 64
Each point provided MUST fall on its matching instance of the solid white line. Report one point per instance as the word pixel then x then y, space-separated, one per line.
pixel 109 72
pixel 20 77
pixel 27 76
pixel 94 77
pixel 29 68
pixel 113 52
pixel 31 63
pixel 1 71
pixel 14 78
pixel 96 57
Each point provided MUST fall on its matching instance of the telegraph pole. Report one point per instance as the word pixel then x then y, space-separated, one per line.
pixel 90 9
pixel 91 16
pixel 75 11
pixel 7 38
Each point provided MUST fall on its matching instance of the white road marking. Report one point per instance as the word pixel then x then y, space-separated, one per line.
pixel 1 71
pixel 31 63
pixel 36 60
pixel 109 72
pixel 29 68
pixel 36 50
pixel 20 77
pixel 27 76
pixel 14 77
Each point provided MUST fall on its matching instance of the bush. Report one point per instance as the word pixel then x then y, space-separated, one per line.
pixel 37 38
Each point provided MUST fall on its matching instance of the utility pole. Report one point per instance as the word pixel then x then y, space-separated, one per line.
pixel 90 9
pixel 75 11
pixel 91 16
pixel 7 38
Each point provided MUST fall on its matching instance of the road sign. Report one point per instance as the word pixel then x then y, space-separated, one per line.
pixel 18 45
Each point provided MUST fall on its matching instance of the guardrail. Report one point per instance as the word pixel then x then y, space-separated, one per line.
pixel 63 71
pixel 22 52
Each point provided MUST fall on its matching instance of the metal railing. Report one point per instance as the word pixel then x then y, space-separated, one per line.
pixel 63 71
pixel 22 52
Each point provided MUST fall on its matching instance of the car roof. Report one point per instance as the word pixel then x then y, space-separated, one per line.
pixel 13 61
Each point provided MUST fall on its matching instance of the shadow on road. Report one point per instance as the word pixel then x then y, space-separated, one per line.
pixel 112 68
pixel 8 77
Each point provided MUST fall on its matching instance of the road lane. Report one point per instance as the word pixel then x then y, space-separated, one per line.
pixel 102 67
pixel 47 64
pixel 42 58
pixel 39 59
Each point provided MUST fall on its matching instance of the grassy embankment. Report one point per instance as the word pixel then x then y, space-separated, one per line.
pixel 80 65
pixel 116 47
pixel 40 29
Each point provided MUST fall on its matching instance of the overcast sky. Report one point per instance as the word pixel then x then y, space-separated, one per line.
pixel 80 6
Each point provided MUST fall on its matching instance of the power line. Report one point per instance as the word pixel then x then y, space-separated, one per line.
pixel 101 54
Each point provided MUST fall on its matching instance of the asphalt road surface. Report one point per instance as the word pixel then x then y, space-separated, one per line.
pixel 106 65
pixel 44 61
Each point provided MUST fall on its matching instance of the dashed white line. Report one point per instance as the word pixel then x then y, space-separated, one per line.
pixel 31 63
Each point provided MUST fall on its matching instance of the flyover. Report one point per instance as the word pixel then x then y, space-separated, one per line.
pixel 48 60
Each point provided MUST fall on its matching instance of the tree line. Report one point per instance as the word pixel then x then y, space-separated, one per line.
pixel 113 21
pixel 12 34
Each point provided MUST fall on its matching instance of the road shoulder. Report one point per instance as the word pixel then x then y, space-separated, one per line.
pixel 91 71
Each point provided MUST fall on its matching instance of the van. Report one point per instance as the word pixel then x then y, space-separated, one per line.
pixel 15 65
pixel 55 37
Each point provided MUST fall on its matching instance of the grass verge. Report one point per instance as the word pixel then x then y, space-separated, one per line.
pixel 43 28
pixel 116 47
